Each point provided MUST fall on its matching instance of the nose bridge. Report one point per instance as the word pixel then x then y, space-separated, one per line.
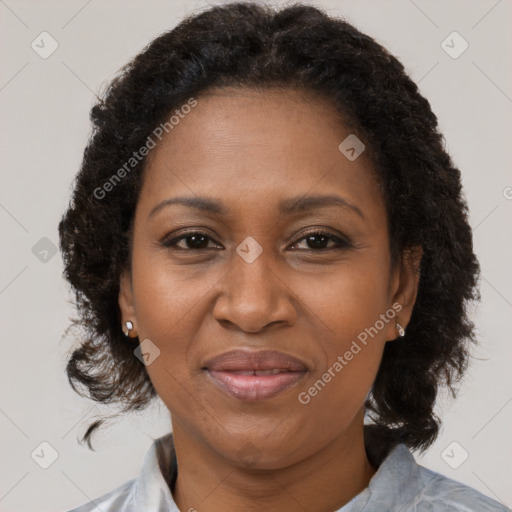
pixel 253 279
pixel 254 296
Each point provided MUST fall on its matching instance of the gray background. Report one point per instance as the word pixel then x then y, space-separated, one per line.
pixel 44 105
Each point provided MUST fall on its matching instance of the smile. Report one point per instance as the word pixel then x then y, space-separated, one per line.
pixel 254 375
pixel 255 385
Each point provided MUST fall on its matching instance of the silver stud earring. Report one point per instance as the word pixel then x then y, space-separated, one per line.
pixel 128 326
pixel 400 329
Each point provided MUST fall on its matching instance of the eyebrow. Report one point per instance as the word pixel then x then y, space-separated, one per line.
pixel 286 207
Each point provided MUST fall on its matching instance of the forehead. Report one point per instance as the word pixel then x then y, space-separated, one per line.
pixel 257 145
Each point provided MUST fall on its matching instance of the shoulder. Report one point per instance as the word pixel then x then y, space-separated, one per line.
pixel 440 493
pixel 400 483
pixel 115 500
pixel 148 491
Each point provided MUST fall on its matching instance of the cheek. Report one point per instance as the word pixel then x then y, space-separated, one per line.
pixel 167 295
pixel 169 302
pixel 351 300
pixel 353 313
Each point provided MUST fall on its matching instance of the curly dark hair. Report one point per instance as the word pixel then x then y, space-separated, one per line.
pixel 301 47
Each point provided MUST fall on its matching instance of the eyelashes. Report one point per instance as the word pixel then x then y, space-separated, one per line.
pixel 323 237
pixel 197 238
pixel 196 241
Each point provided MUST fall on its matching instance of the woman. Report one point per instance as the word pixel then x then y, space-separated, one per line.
pixel 267 233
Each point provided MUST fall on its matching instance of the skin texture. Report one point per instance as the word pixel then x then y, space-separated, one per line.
pixel 251 149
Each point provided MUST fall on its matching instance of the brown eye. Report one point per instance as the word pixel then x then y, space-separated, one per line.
pixel 320 240
pixel 189 241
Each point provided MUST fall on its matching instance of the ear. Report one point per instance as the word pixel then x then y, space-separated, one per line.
pixel 404 288
pixel 126 302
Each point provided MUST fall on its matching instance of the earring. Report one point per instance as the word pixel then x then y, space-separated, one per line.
pixel 128 327
pixel 400 329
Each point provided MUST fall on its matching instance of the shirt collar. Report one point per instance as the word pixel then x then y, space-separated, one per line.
pixel 151 489
pixel 395 484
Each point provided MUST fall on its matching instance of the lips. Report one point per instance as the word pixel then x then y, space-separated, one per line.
pixel 255 375
pixel 242 360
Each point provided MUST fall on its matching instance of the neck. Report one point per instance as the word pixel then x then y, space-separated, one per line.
pixel 324 482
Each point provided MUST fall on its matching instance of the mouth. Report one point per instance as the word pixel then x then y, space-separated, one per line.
pixel 255 376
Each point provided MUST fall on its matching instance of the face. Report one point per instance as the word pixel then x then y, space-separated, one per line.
pixel 257 292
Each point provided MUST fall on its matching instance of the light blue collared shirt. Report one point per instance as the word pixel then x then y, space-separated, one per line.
pixel 399 485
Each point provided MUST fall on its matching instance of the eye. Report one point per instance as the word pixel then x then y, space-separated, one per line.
pixel 319 241
pixel 193 240
pixel 316 241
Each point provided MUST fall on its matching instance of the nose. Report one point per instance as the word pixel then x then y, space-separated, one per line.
pixel 254 297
